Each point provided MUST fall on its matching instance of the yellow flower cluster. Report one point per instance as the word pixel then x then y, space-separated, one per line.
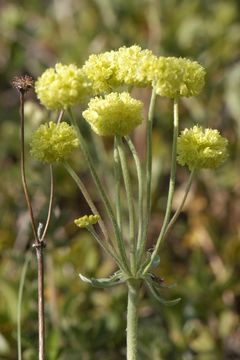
pixel 61 87
pixel 53 142
pixel 133 66
pixel 115 114
pixel 100 70
pixel 177 77
pixel 198 148
pixel 86 220
pixel 126 66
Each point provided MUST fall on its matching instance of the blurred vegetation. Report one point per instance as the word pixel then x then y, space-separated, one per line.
pixel 203 251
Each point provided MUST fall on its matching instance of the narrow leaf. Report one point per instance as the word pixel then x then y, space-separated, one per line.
pixel 102 282
pixel 157 296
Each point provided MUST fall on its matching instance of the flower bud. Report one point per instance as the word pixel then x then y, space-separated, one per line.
pixel 86 220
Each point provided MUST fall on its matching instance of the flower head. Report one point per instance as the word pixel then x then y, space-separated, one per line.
pixel 125 66
pixel 23 83
pixel 100 70
pixel 115 114
pixel 53 142
pixel 133 65
pixel 86 220
pixel 176 77
pixel 61 87
pixel 198 148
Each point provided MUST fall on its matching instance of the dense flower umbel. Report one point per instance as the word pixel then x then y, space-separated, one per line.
pixel 133 66
pixel 61 87
pixel 53 142
pixel 100 69
pixel 198 148
pixel 86 220
pixel 126 66
pixel 176 77
pixel 115 114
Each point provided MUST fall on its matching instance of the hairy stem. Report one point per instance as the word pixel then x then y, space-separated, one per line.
pixel 50 204
pixel 140 242
pixel 117 173
pixel 132 318
pixel 107 246
pixel 171 185
pixel 179 209
pixel 129 194
pixel 102 194
pixel 147 213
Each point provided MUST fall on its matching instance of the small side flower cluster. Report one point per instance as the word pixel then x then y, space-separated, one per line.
pixel 198 148
pixel 86 220
pixel 62 87
pixel 115 114
pixel 53 142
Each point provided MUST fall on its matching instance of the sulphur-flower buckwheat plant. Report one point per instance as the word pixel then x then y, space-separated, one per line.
pixel 115 113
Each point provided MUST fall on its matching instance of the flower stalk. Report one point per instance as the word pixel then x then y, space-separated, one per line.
pixel 171 185
pixel 23 84
pixel 38 244
pixel 132 318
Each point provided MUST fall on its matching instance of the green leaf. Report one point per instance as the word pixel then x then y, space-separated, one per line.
pixel 155 263
pixel 157 282
pixel 103 282
pixel 157 296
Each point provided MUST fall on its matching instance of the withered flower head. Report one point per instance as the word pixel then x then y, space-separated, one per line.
pixel 22 83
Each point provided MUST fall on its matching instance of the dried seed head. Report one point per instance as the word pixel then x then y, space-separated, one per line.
pixel 23 83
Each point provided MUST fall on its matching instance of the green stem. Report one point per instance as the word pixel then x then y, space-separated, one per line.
pixel 171 185
pixel 108 250
pixel 50 205
pixel 132 318
pixel 129 194
pixel 86 195
pixel 102 193
pixel 140 242
pixel 107 246
pixel 19 304
pixel 148 169
pixel 117 173
pixel 179 209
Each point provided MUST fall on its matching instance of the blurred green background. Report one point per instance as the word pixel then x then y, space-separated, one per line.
pixel 202 254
